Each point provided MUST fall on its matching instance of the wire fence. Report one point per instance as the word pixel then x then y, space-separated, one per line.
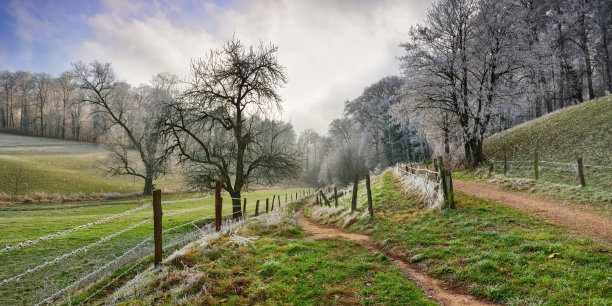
pixel 135 255
pixel 596 176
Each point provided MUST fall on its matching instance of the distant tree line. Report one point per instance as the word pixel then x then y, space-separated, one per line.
pixel 218 125
pixel 365 138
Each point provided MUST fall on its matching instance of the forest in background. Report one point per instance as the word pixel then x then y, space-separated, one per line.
pixel 470 69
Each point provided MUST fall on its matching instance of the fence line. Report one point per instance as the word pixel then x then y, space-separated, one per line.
pixel 131 250
pixel 185 200
pixel 188 210
pixel 101 221
pixel 84 248
pixel 58 234
pixel 561 171
pixel 98 270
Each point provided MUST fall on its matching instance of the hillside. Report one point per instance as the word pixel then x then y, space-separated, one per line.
pixel 62 167
pixel 583 130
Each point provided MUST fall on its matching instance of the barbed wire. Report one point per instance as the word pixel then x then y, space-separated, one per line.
pixel 84 248
pixel 66 232
pixel 185 200
pixel 98 270
pixel 188 210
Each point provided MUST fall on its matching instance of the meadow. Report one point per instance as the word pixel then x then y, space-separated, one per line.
pixel 63 168
pixel 22 222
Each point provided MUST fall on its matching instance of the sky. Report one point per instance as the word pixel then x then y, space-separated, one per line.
pixel 331 49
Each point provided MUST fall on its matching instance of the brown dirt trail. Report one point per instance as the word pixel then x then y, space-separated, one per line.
pixel 588 223
pixel 436 289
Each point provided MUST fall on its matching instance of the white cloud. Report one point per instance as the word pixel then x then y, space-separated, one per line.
pixel 332 49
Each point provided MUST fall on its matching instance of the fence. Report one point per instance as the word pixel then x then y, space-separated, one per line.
pixel 151 245
pixel 436 185
pixel 554 171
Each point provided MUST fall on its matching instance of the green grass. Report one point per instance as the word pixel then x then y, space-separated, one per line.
pixel 279 269
pixel 491 250
pixel 582 130
pixel 578 131
pixel 21 222
pixel 65 167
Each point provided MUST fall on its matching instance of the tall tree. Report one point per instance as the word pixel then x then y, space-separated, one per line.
pixel 132 116
pixel 218 126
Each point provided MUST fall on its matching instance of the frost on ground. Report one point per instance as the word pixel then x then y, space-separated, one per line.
pixel 179 275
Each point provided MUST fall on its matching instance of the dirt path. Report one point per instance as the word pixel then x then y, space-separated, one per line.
pixel 434 288
pixel 588 223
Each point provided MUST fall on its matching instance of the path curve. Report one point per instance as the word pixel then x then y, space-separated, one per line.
pixel 434 288
pixel 588 223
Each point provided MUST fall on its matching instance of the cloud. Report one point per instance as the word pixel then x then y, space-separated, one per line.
pixel 331 49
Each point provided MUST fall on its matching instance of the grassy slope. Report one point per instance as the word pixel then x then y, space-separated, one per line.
pixel 492 250
pixel 279 269
pixel 65 167
pixel 21 222
pixel 579 131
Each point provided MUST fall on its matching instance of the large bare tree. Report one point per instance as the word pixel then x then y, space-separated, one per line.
pixel 132 115
pixel 221 126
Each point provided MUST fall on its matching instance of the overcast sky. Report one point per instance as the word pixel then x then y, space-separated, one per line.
pixel 331 49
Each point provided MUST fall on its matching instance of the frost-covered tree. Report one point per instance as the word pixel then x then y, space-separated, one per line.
pixel 129 117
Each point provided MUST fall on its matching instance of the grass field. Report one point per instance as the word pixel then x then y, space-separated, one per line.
pixel 65 167
pixel 560 138
pixel 21 222
pixel 492 251
pixel 278 269
pixel 582 130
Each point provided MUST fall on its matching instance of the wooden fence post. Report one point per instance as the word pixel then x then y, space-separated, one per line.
pixel 296 196
pixel 257 208
pixel 273 197
pixel 581 173
pixel 535 165
pixel 435 165
pixel 218 205
pixel 285 198
pixel 324 198
pixel 369 192
pixel 443 180
pixel 336 195
pixel 267 207
pixel 505 164
pixel 451 192
pixel 279 201
pixel 244 209
pixel 354 199
pixel 157 225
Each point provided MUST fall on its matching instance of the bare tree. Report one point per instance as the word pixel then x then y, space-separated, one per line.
pixel 66 85
pixel 218 126
pixel 132 115
pixel 19 179
pixel 42 87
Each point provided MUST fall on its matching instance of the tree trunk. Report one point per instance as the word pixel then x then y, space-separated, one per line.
pixel 607 60
pixel 236 207
pixel 587 57
pixel 148 186
pixel 446 142
pixel 473 151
